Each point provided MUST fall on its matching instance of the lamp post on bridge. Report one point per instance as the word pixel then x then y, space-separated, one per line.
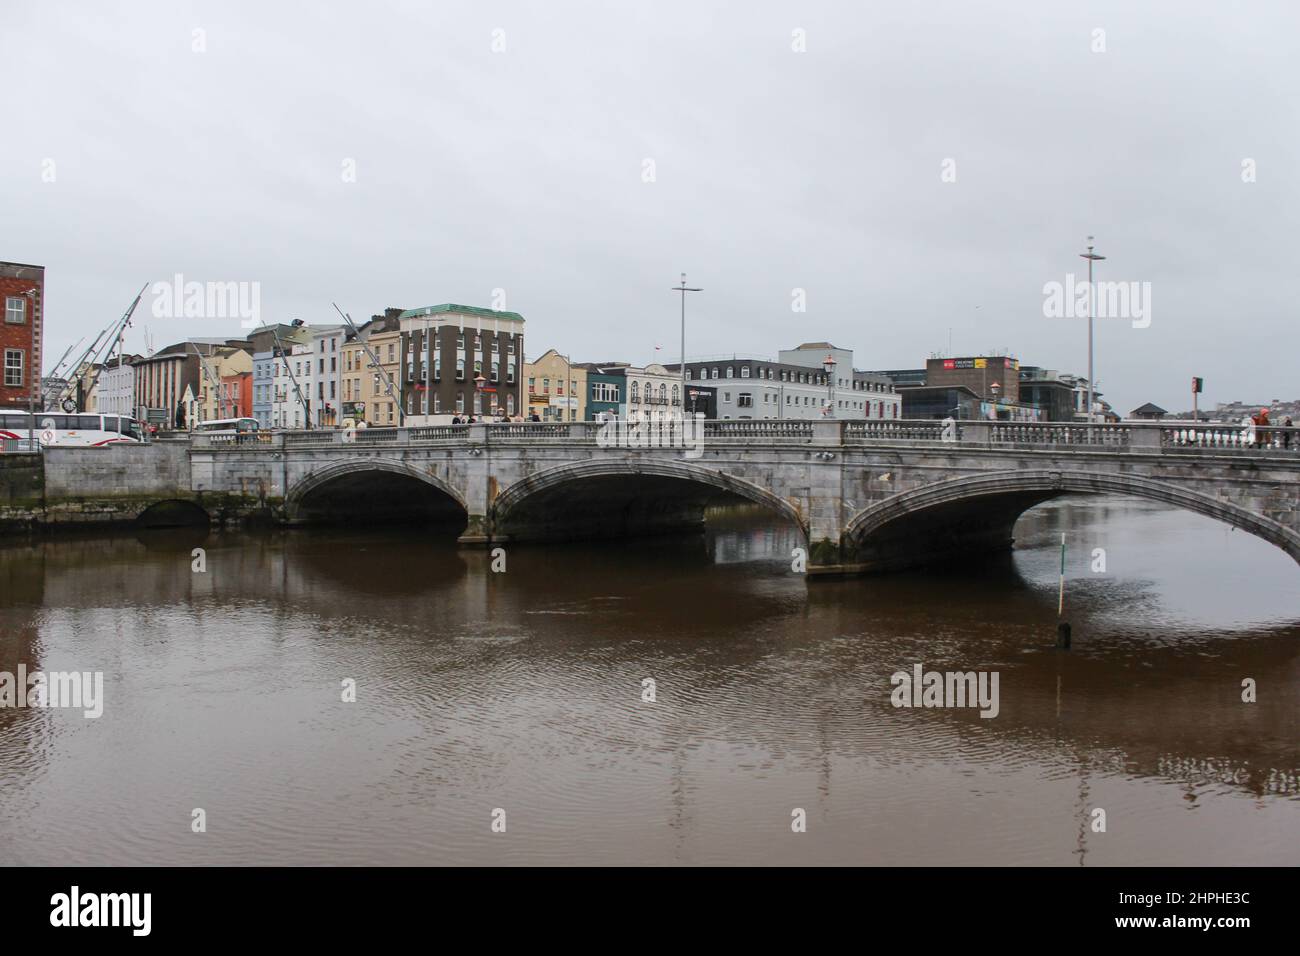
pixel 829 364
pixel 683 289
pixel 1092 308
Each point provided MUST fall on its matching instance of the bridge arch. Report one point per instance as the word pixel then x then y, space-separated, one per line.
pixel 625 496
pixel 979 512
pixel 173 513
pixel 337 490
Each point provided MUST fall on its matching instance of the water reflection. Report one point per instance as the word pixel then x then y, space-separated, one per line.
pixel 523 689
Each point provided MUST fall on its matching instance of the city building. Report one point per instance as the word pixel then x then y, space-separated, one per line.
pixel 293 407
pixel 941 401
pixel 994 378
pixel 326 341
pixel 605 391
pixel 22 290
pixel 650 393
pixel 548 395
pixel 1148 412
pixel 218 389
pixel 702 400
pixel 372 390
pixel 268 342
pixel 795 385
pixel 1057 394
pixel 477 362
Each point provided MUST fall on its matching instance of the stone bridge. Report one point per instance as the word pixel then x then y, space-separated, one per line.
pixel 865 495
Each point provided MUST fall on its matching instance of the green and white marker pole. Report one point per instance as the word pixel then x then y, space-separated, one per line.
pixel 1062 627
pixel 1060 604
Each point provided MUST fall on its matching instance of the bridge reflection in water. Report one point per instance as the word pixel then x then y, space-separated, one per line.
pixel 522 690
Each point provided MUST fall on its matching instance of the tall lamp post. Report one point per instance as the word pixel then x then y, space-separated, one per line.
pixel 479 382
pixel 1092 306
pixel 829 363
pixel 683 289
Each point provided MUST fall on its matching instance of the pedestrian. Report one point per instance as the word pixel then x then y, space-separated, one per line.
pixel 1286 435
pixel 1262 437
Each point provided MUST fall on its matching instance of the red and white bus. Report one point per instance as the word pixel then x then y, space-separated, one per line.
pixel 68 430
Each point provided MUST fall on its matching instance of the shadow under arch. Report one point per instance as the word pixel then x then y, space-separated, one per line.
pixel 173 513
pixel 978 513
pixel 373 489
pixel 623 497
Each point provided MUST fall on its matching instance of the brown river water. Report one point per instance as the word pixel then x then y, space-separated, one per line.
pixel 522 691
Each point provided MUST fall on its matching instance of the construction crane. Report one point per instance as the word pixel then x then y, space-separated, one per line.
pixel 374 361
pixel 306 410
pixel 111 338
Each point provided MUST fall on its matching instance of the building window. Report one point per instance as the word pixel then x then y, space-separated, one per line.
pixel 13 368
pixel 510 405
pixel 730 371
pixel 744 371
pixel 460 404
pixel 745 400
pixel 460 371
pixel 636 391
pixel 15 310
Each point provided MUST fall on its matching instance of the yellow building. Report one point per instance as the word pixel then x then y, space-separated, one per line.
pixel 218 395
pixel 365 388
pixel 556 389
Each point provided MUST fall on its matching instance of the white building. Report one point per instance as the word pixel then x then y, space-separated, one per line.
pixel 116 390
pixel 651 393
pixel 327 359
pixel 796 385
pixel 287 404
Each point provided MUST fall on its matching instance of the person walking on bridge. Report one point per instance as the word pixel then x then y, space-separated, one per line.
pixel 1262 437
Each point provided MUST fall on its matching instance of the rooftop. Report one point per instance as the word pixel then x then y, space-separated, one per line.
pixel 454 309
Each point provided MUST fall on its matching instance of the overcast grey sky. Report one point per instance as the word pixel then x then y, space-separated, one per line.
pixel 523 169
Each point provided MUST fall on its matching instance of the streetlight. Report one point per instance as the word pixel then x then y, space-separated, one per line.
pixel 829 363
pixel 683 289
pixel 479 382
pixel 1092 297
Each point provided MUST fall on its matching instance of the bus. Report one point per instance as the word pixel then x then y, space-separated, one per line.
pixel 86 430
pixel 240 426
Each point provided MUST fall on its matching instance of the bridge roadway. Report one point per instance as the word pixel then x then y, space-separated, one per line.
pixel 865 495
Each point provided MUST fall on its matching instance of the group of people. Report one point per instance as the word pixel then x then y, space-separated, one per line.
pixel 1264 437
pixel 498 419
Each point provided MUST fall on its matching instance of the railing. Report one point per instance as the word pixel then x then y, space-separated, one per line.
pixel 1136 437
pixel 1216 436
pixel 761 429
pixel 1062 433
pixel 900 430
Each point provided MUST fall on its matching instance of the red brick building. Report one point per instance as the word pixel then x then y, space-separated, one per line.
pixel 22 295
